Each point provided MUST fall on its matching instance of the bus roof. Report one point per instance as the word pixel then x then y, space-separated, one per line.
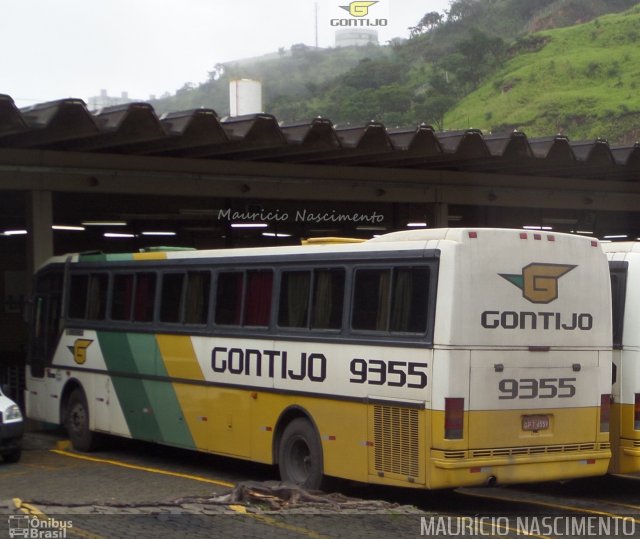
pixel 406 240
pixel 622 247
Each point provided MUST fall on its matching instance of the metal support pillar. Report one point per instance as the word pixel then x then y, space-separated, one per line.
pixel 438 215
pixel 39 223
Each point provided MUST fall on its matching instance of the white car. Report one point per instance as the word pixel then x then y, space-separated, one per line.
pixel 11 429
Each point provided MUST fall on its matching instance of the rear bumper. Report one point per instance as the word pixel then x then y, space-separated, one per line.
pixel 473 471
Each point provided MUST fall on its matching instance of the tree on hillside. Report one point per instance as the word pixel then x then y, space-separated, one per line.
pixel 428 22
pixel 460 9
pixel 475 58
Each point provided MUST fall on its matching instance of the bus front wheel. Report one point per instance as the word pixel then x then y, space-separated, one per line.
pixel 77 422
pixel 300 455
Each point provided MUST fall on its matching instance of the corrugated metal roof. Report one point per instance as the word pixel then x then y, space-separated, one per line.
pixel 135 128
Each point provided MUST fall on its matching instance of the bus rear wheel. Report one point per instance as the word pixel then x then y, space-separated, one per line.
pixel 300 455
pixel 77 423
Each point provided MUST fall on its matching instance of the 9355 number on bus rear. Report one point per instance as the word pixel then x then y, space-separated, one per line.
pixel 537 388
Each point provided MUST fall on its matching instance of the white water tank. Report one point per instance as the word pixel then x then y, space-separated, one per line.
pixel 245 97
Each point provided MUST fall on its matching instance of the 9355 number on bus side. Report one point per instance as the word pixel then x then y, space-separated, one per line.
pixel 532 388
pixel 390 373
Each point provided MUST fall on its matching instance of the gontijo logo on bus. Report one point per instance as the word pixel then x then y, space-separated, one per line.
pixel 79 350
pixel 539 284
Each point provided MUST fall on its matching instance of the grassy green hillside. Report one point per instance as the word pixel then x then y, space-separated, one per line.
pixel 581 81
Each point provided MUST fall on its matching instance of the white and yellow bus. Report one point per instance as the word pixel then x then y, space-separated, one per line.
pixel 624 263
pixel 429 359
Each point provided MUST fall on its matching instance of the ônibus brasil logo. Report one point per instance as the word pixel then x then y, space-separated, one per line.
pixel 538 281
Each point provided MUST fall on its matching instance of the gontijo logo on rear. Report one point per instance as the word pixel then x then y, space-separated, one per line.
pixel 539 284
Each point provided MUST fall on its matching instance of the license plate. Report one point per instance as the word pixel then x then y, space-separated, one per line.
pixel 535 422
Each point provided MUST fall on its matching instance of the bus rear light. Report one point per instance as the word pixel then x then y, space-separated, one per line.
pixel 636 412
pixel 473 234
pixel 605 411
pixel 453 418
pixel 523 235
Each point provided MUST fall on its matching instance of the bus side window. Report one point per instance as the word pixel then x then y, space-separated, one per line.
pixel 79 285
pixel 122 297
pixel 257 303
pixel 328 299
pixel 197 297
pixel 97 296
pixel 293 309
pixel 145 296
pixel 409 300
pixel 88 296
pixel 171 296
pixel 391 300
pixel 371 299
pixel 229 298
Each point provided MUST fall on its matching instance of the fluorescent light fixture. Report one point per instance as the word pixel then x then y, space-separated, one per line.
pixel 588 232
pixel 276 235
pixel 616 237
pixel 14 232
pixel 249 225
pixel 68 227
pixel 159 233
pixel 371 227
pixel 104 223
pixel 416 225
pixel 537 227
pixel 118 235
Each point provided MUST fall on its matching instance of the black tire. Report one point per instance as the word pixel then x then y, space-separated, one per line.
pixel 12 456
pixel 77 423
pixel 300 455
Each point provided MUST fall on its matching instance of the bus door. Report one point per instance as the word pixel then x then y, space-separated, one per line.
pixel 45 334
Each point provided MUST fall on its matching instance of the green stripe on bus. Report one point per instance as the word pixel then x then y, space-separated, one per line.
pixel 150 407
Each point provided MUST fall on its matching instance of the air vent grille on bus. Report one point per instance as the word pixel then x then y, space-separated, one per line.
pixel 536 450
pixel 396 440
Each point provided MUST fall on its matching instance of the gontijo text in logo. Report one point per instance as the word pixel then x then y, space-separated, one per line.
pixel 360 15
pixel 538 281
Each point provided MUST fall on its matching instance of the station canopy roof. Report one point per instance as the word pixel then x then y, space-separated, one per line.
pixel 136 129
